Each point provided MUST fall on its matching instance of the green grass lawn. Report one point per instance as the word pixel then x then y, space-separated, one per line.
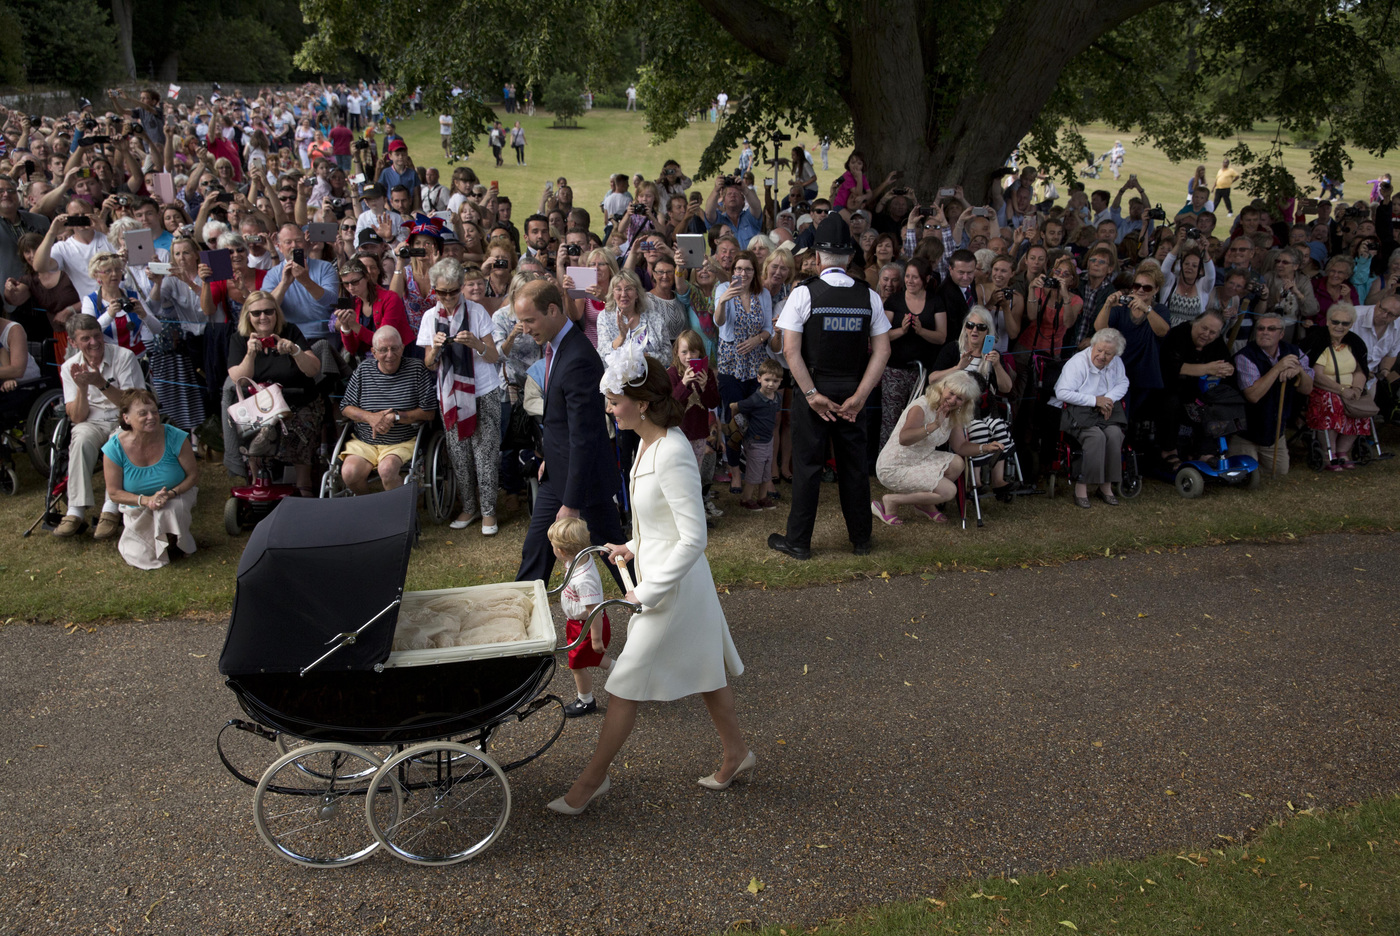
pixel 609 141
pixel 1308 872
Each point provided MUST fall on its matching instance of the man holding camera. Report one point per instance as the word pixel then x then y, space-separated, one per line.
pixel 73 254
pixel 306 288
pixel 733 203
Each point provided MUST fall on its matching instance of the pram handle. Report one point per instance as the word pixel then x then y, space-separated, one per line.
pixel 597 610
pixel 587 554
pixel 569 573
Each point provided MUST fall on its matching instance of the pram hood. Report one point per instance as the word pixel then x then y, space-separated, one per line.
pixel 314 569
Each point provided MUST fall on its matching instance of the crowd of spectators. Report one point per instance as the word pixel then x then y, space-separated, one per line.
pixel 291 236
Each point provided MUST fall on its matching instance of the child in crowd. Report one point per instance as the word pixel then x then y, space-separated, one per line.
pixel 694 383
pixel 581 594
pixel 761 411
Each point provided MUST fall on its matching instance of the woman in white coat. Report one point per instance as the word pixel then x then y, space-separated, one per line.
pixel 679 644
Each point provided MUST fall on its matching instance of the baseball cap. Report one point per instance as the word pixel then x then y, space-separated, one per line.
pixel 368 236
pixel 397 145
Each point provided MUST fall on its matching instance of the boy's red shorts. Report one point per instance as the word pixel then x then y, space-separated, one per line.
pixel 583 656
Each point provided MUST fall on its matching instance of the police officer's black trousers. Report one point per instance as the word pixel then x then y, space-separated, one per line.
pixel 810 437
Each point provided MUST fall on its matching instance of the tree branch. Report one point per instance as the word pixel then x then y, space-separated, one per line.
pixel 762 30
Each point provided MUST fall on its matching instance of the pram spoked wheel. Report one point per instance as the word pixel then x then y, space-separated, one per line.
pixel 309 805
pixel 9 481
pixel 456 802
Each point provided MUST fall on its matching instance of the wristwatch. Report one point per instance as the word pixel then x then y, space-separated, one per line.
pixel 811 393
pixel 396 417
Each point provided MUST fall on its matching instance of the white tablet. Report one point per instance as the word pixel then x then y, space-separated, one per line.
pixel 691 249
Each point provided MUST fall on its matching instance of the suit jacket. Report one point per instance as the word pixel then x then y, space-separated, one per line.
pixel 949 300
pixel 578 455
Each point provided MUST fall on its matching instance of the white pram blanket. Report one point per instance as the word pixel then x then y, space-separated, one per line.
pixel 482 616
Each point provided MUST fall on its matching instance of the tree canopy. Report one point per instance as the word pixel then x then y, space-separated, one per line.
pixel 941 90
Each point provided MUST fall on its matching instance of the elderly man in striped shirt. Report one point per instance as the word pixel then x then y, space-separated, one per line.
pixel 387 396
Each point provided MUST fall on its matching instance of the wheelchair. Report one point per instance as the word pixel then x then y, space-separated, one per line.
pixel 431 468
pixel 1069 458
pixel 27 426
pixel 56 470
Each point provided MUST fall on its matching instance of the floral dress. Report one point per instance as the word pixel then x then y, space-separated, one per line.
pixel 746 324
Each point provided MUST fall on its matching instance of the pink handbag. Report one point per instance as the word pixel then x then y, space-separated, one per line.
pixel 265 406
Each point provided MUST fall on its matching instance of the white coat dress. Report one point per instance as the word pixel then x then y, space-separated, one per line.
pixel 679 644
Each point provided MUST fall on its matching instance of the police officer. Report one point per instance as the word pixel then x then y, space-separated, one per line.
pixel 836 343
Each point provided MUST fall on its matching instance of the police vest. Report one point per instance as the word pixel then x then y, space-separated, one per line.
pixel 1262 416
pixel 836 338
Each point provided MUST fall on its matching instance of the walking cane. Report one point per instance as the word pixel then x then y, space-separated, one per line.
pixel 1278 423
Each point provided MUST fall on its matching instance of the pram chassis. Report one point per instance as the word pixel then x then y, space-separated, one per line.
pixel 406 743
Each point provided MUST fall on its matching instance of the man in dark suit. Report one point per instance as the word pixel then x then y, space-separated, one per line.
pixel 956 294
pixel 579 476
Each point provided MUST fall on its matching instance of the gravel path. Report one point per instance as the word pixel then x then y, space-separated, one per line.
pixel 907 732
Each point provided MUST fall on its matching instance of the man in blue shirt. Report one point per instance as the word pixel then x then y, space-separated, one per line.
pixel 744 219
pixel 306 291
pixel 399 172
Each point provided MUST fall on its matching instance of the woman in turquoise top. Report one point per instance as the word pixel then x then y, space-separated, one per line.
pixel 151 474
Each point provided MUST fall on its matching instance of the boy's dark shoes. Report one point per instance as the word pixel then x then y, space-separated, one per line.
pixel 578 708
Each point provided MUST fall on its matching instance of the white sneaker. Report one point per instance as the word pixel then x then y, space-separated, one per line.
pixel 711 510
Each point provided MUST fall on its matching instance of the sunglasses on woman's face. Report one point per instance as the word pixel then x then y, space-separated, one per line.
pixel 1144 287
pixel 256 313
pixel 975 326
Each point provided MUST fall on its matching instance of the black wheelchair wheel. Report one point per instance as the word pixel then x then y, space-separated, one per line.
pixel 45 413
pixel 9 481
pixel 1131 485
pixel 442 482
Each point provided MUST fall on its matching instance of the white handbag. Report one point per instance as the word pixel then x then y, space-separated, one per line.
pixel 265 406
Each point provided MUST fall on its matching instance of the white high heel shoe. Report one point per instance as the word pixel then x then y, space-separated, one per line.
pixel 560 806
pixel 710 783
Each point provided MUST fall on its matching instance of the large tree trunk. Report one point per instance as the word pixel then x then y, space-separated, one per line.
pixel 1017 72
pixel 899 121
pixel 121 15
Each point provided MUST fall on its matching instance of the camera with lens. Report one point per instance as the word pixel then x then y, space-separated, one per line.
pixel 35 120
pixel 1156 214
pixel 1193 234
pixel 338 203
pixel 89 123
pixel 128 306
pixel 1007 293
pixel 780 137
pixel 407 251
pixel 501 263
pixel 573 250
pixel 123 200
pixel 1051 283
pixel 1256 289
pixel 361 144
pixel 728 180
